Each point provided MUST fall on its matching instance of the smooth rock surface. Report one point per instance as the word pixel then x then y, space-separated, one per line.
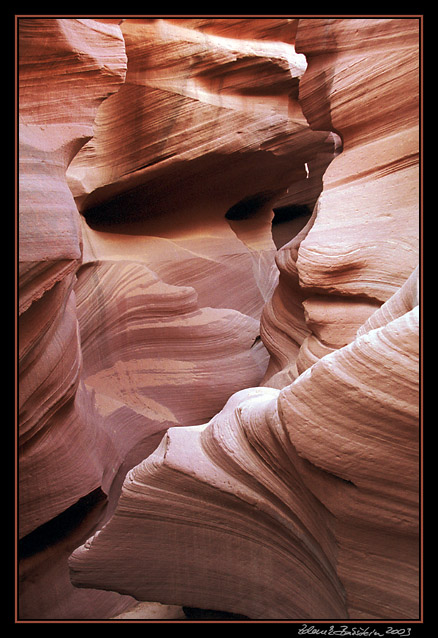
pixel 219 303
pixel 362 242
pixel 66 68
pixel 306 470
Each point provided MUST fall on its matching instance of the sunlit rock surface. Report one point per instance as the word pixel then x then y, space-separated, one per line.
pixel 205 110
pixel 219 331
pixel 288 491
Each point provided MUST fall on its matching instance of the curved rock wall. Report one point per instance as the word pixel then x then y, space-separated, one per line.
pixel 64 453
pixel 256 476
pixel 362 242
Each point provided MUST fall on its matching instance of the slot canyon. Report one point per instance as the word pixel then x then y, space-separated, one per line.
pixel 218 321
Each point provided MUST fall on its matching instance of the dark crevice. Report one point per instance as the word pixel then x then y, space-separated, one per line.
pixel 284 214
pixel 249 206
pixel 288 221
pixel 58 528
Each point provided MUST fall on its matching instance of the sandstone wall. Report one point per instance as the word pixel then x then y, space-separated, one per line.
pixel 274 477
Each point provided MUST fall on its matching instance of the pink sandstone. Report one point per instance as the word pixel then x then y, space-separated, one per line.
pixel 181 458
pixel 64 454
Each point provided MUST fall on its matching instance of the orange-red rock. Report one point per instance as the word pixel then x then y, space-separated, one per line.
pixel 274 478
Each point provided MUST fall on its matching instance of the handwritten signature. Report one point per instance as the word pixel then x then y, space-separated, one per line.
pixel 344 630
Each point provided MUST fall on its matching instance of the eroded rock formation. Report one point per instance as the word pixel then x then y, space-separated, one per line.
pixel 64 454
pixel 238 404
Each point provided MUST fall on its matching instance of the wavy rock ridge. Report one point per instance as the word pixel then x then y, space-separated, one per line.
pixel 274 478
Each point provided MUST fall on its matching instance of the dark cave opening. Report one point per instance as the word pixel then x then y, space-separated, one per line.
pixel 288 221
pixel 284 214
pixel 61 526
pixel 249 206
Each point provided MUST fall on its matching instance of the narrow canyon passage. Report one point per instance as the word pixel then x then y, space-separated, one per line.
pixel 179 279
pixel 219 318
pixel 171 296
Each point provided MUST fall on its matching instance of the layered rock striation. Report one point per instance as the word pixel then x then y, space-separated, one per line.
pixel 219 350
pixel 66 69
pixel 362 241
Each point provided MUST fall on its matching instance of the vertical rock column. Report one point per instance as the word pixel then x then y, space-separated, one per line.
pixel 66 68
pixel 363 82
pixel 362 243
